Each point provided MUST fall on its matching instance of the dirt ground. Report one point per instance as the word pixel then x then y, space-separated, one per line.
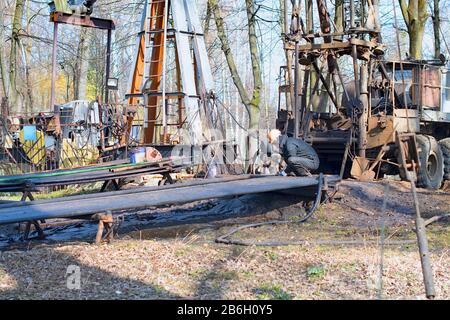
pixel 170 253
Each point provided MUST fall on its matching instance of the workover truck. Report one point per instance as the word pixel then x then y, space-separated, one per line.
pixel 366 116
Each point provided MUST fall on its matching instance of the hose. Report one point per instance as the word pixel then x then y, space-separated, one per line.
pixel 224 239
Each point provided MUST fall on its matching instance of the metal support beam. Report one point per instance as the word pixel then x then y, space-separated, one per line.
pixel 83 21
pixel 364 98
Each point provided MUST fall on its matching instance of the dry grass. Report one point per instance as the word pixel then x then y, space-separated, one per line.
pixel 193 266
pixel 173 269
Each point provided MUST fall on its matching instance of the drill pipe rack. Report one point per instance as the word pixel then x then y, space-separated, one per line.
pixel 102 205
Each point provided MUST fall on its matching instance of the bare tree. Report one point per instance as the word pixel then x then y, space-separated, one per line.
pixel 289 61
pixel 415 15
pixel 15 45
pixel 252 103
pixel 80 78
pixel 436 29
pixel 339 16
pixel 26 59
pixel 2 51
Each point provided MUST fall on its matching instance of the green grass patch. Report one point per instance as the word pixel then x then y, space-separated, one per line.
pixel 248 274
pixel 272 256
pixel 272 292
pixel 438 236
pixel 70 191
pixel 315 272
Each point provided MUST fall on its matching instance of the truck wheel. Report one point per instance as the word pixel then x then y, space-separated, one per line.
pixel 445 147
pixel 431 173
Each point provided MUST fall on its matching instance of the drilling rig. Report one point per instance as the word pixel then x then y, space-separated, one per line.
pixel 366 116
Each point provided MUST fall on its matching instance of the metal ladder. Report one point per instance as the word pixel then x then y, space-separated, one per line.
pixel 150 81
pixel 152 30
pixel 155 56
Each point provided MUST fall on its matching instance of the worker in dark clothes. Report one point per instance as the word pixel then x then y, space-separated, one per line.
pixel 299 156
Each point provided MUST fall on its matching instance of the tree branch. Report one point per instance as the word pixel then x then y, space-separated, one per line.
pixel 404 8
pixel 221 33
pixel 254 52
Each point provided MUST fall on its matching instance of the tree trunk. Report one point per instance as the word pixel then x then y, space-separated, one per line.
pixel 28 45
pixel 16 27
pixel 289 79
pixel 415 16
pixel 416 32
pixel 81 67
pixel 252 104
pixel 207 28
pixel 207 19
pixel 309 16
pixel 256 66
pixel 3 75
pixel 221 33
pixel 436 29
pixel 310 76
pixel 339 17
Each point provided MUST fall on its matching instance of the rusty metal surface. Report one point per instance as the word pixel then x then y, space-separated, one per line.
pixel 380 98
pixel 83 21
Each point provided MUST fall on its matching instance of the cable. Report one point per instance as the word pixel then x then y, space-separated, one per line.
pixel 224 239
pixel 321 242
pixel 231 115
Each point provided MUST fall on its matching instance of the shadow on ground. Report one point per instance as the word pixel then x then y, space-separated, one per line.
pixel 57 280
